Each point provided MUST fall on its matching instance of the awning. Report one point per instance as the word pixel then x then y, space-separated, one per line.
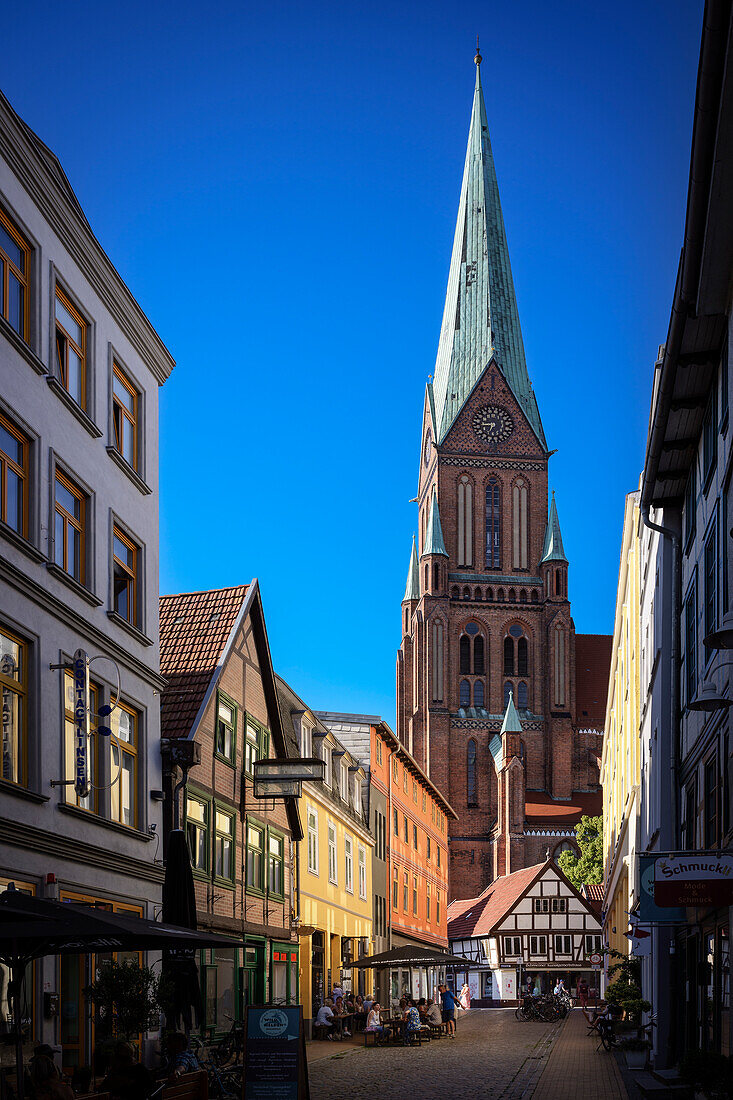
pixel 412 956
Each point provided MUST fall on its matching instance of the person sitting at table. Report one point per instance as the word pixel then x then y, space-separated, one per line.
pixel 325 1017
pixel 374 1023
pixel 422 1008
pixel 360 1013
pixel 340 1011
pixel 434 1015
pixel 412 1021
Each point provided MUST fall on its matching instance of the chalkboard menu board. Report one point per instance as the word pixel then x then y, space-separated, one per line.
pixel 275 1066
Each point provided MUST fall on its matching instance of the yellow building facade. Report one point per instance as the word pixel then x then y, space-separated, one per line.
pixel 621 761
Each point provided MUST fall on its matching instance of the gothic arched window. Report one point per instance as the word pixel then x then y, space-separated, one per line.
pixel 522 657
pixel 477 594
pixel 464 654
pixel 471 777
pixel 437 663
pixel 512 596
pixel 489 593
pixel 464 697
pixel 454 593
pixel 522 695
pixel 519 524
pixel 558 583
pixel 465 521
pixel 478 655
pixel 478 693
pixel 559 666
pixel 523 596
pixel 467 593
pixel 534 597
pixel 508 656
pixel 493 524
pixel 436 577
pixel 507 693
pixel 500 595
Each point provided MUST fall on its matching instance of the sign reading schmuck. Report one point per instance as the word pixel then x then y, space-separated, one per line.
pixel 699 879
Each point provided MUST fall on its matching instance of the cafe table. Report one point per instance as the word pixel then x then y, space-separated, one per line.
pixel 338 1022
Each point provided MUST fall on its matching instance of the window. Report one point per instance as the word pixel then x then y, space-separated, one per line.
pixel 507 692
pixel 414 836
pixel 357 794
pixel 437 661
pixel 276 864
pixel 711 581
pixel 512 945
pixel 522 696
pixel 427 841
pixel 197 831
pixel 424 802
pixel 478 655
pixel 14 455
pixel 437 852
pixel 255 857
pixel 414 895
pixel 437 907
pixel 226 724
pixel 464 655
pixel 404 780
pixel 471 785
pixel 89 801
pixel 478 693
pixel 378 744
pixel 15 257
pixel 332 855
pixel 559 905
pixel 327 762
pixel 71 341
pixel 256 745
pixel 414 792
pixel 124 724
pixel 405 829
pixel 344 777
pixel 519 524
pixel 427 902
pixel 710 436
pixel 13 680
pixel 465 521
pixel 559 666
pixel 690 645
pixel 395 770
pixel 522 657
pixel 493 525
pixel 125 576
pixel 690 830
pixel 593 944
pixel 313 841
pixel 508 656
pixel 69 526
pixel 690 507
pixel 563 945
pixel 464 694
pixel 223 844
pixel 362 873
pixel 542 905
pixel 348 865
pixel 404 891
pixel 395 888
pixel 396 823
pixel 538 945
pixel 125 403
pixel 711 803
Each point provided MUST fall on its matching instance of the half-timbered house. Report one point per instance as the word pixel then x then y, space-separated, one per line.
pixel 525 931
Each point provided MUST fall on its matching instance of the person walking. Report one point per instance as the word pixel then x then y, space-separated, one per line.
pixel 583 996
pixel 448 1003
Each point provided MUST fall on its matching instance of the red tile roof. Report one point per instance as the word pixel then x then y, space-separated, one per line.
pixel 541 808
pixel 592 667
pixel 594 892
pixel 477 916
pixel 194 629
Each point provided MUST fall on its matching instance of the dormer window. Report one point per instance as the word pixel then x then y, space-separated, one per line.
pixel 306 740
pixel 345 782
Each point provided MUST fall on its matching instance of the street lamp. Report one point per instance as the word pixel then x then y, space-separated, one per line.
pixel 709 698
pixel 723 637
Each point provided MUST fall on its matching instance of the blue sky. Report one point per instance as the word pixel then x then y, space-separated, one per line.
pixel 278 185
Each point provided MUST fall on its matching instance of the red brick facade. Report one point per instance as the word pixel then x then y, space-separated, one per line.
pixel 506 598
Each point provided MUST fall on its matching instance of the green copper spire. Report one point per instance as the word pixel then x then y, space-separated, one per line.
pixel 434 543
pixel 412 588
pixel 480 319
pixel 511 723
pixel 553 548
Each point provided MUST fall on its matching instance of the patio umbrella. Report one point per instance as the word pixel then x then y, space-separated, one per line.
pixel 413 956
pixel 32 927
pixel 180 973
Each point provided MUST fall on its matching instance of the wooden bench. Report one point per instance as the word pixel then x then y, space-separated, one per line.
pixel 374 1035
pixel 190 1086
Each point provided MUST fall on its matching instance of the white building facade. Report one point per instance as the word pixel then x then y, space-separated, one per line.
pixel 80 366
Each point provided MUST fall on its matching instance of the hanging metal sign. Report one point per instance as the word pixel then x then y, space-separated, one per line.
pixel 693 879
pixel 81 723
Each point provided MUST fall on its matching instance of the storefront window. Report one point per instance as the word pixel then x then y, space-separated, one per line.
pixel 13 686
pixel 284 974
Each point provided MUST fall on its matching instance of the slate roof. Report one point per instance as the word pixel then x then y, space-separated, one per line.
pixel 412 588
pixel 553 549
pixel 477 916
pixel 194 630
pixel 480 320
pixel 511 723
pixel 592 669
pixel 434 542
pixel 540 808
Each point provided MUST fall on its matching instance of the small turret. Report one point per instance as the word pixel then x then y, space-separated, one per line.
pixel 412 590
pixel 553 563
pixel 434 558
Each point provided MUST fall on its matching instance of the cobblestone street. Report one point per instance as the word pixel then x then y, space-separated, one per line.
pixel 493 1055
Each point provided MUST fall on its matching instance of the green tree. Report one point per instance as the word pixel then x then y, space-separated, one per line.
pixel 127 999
pixel 588 866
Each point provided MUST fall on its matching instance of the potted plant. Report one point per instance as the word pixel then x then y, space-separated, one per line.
pixel 636 1051
pixel 710 1074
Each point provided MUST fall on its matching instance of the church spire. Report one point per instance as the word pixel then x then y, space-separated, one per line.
pixel 512 722
pixel 412 588
pixel 553 549
pixel 480 319
pixel 434 543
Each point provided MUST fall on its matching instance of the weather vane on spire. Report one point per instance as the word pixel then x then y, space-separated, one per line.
pixel 477 58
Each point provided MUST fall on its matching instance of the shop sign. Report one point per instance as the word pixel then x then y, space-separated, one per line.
pixel 697 878
pixel 81 723
pixel 649 911
pixel 275 1066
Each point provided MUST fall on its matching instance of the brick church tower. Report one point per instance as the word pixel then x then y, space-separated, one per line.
pixel 490 674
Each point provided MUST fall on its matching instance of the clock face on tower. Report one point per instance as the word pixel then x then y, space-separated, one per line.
pixel 493 424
